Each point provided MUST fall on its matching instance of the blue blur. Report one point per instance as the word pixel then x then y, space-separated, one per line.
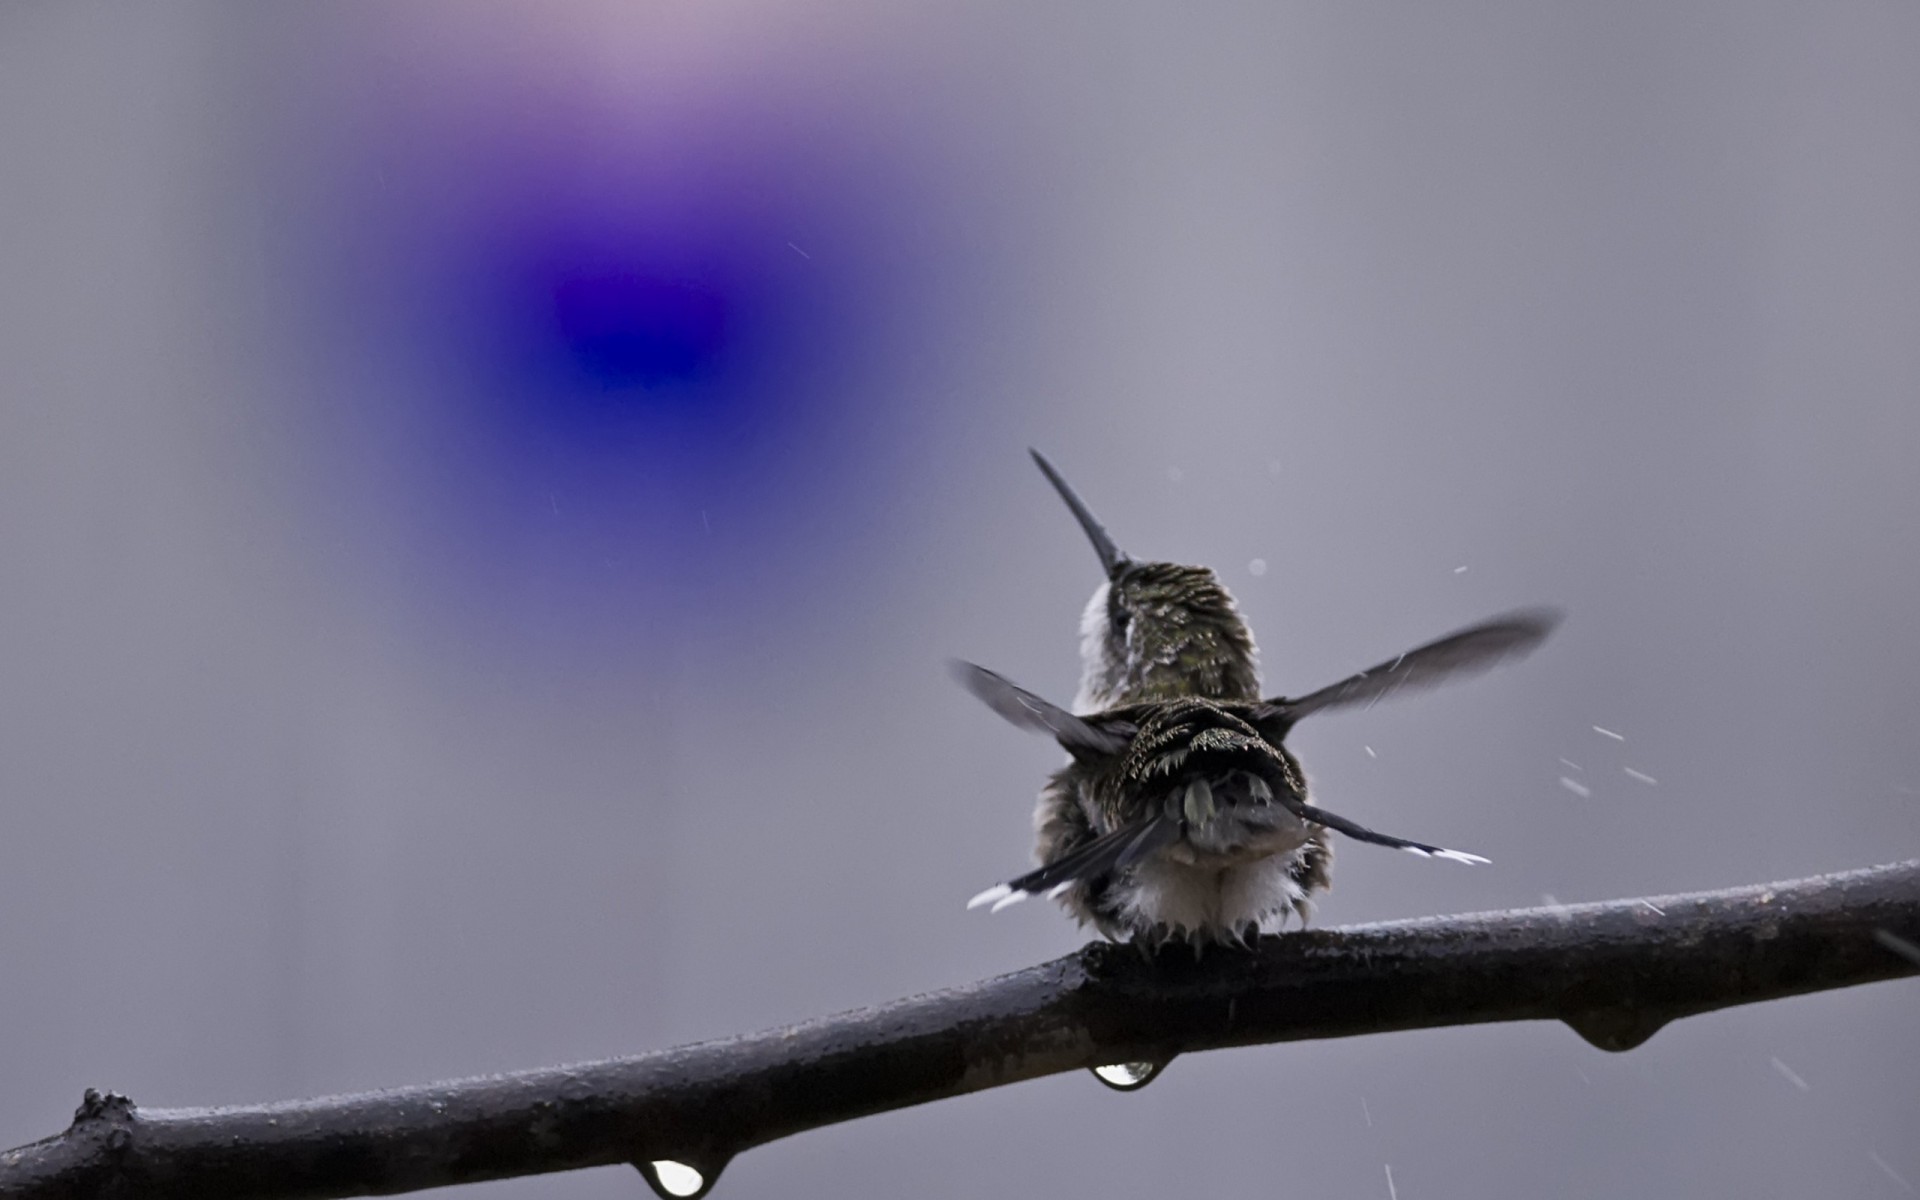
pixel 578 379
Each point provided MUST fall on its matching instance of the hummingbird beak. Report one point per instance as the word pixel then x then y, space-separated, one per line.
pixel 1110 556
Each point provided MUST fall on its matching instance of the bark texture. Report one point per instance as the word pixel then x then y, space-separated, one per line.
pixel 1615 972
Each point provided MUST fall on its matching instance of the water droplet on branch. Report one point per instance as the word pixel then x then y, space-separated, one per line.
pixel 1128 1076
pixel 671 1179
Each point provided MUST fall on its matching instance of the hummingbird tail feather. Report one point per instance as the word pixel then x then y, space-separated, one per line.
pixel 1360 833
pixel 1108 852
pixel 992 895
pixel 1286 790
pixel 1460 856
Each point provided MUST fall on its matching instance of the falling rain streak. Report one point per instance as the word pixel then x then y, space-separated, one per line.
pixel 1128 1076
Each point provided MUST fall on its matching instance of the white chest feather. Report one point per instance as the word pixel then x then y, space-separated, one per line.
pixel 1100 676
pixel 1208 899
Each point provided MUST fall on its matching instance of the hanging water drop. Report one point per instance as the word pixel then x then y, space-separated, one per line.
pixel 674 1180
pixel 1128 1076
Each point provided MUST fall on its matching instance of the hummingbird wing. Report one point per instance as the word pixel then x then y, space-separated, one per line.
pixel 1029 711
pixel 1464 652
pixel 1109 852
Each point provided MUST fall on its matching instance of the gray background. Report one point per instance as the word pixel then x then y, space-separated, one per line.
pixel 1614 306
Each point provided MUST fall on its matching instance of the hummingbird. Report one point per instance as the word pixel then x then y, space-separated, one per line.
pixel 1180 814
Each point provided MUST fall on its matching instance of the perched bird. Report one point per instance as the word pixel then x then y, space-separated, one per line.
pixel 1181 815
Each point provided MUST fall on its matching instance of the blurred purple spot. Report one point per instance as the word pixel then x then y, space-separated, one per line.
pixel 634 330
pixel 568 368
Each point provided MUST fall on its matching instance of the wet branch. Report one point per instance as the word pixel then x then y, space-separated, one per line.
pixel 1615 972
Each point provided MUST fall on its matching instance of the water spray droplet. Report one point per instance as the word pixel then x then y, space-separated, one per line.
pixel 1128 1076
pixel 1899 945
pixel 1889 1171
pixel 674 1180
pixel 1789 1074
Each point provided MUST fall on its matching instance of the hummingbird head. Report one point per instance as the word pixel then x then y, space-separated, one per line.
pixel 1156 630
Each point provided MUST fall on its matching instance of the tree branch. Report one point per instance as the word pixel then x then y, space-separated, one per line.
pixel 1616 972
